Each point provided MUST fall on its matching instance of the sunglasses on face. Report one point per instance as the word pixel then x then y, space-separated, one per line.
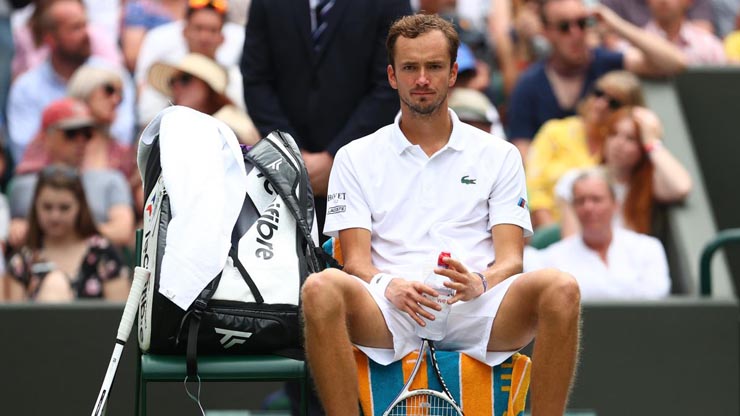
pixel 182 79
pixel 564 26
pixel 217 5
pixel 614 104
pixel 110 90
pixel 72 134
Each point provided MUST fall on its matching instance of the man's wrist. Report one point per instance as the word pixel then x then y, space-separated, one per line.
pixel 381 281
pixel 483 281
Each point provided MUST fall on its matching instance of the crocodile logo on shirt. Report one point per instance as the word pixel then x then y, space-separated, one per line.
pixel 467 181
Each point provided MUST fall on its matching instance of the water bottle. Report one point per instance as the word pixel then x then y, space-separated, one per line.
pixel 437 329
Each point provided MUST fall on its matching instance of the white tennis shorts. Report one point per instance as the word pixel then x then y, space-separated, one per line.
pixel 468 327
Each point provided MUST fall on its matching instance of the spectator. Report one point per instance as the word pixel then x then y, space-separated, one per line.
pixel 474 108
pixel 31 49
pixel 517 33
pixel 67 126
pixel 200 83
pixel 341 92
pixel 205 31
pixel 608 261
pixel 669 22
pixel 141 16
pixel 726 14
pixel 69 48
pixel 643 172
pixel 400 201
pixel 551 88
pixel 64 257
pixel 6 54
pixel 101 89
pixel 637 12
pixel 575 142
pixel 732 43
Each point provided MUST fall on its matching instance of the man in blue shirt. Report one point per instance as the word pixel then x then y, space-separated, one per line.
pixel 69 45
pixel 552 87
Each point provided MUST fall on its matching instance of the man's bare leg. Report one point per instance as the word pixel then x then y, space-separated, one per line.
pixel 334 302
pixel 544 304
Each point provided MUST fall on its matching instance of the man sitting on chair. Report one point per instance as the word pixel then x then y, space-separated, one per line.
pixel 424 184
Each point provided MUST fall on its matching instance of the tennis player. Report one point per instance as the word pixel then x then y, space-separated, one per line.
pixel 424 184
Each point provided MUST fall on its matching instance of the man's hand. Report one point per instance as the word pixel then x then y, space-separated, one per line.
pixel 467 285
pixel 408 296
pixel 318 166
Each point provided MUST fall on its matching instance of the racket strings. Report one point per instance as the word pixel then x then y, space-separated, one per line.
pixel 424 404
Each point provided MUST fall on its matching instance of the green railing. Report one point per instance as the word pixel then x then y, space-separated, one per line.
pixel 724 237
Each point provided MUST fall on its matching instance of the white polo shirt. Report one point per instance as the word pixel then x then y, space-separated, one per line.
pixel 416 206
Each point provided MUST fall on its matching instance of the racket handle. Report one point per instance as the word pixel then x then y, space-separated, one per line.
pixel 141 275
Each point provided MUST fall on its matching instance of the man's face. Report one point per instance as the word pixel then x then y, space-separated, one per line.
pixel 668 11
pixel 67 146
pixel 203 32
pixel 70 40
pixel 594 204
pixel 565 28
pixel 423 73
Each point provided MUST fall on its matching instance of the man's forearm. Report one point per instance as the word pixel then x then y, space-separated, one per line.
pixel 500 271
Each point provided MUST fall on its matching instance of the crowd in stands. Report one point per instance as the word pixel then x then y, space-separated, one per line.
pixel 80 79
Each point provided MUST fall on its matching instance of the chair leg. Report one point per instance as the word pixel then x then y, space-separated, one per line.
pixel 305 386
pixel 137 396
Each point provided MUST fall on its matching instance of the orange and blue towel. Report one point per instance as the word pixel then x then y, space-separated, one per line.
pixel 479 389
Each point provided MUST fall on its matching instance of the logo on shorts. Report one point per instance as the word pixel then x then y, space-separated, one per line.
pixel 465 180
pixel 522 203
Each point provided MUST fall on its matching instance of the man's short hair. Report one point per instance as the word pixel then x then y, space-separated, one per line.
pixel 543 16
pixel 597 172
pixel 419 24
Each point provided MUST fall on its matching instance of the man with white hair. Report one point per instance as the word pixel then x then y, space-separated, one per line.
pixel 607 261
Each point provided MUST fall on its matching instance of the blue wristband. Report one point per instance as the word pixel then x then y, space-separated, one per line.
pixel 483 280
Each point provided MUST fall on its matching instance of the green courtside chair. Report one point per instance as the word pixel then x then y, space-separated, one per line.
pixel 152 368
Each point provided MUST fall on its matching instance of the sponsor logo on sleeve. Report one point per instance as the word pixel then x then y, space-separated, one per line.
pixel 522 203
pixel 336 209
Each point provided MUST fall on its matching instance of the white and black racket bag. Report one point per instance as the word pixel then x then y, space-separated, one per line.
pixel 252 306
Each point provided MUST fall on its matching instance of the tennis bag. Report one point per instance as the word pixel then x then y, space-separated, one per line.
pixel 252 306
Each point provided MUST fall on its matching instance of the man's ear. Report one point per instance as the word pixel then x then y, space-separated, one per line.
pixel 453 75
pixel 49 40
pixel 392 77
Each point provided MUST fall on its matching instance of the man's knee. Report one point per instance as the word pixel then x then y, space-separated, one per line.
pixel 561 292
pixel 321 292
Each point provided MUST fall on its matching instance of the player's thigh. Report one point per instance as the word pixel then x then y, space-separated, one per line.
pixel 365 321
pixel 516 321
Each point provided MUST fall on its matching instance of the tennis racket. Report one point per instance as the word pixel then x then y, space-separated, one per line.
pixel 141 275
pixel 424 402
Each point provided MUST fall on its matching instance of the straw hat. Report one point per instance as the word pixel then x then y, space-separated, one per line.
pixel 195 64
pixel 240 122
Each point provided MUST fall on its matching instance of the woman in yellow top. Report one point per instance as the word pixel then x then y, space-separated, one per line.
pixel 575 142
pixel 732 43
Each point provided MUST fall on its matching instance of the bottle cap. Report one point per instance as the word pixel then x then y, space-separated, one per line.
pixel 443 255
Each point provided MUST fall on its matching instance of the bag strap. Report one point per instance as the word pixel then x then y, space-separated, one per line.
pixel 245 275
pixel 284 189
